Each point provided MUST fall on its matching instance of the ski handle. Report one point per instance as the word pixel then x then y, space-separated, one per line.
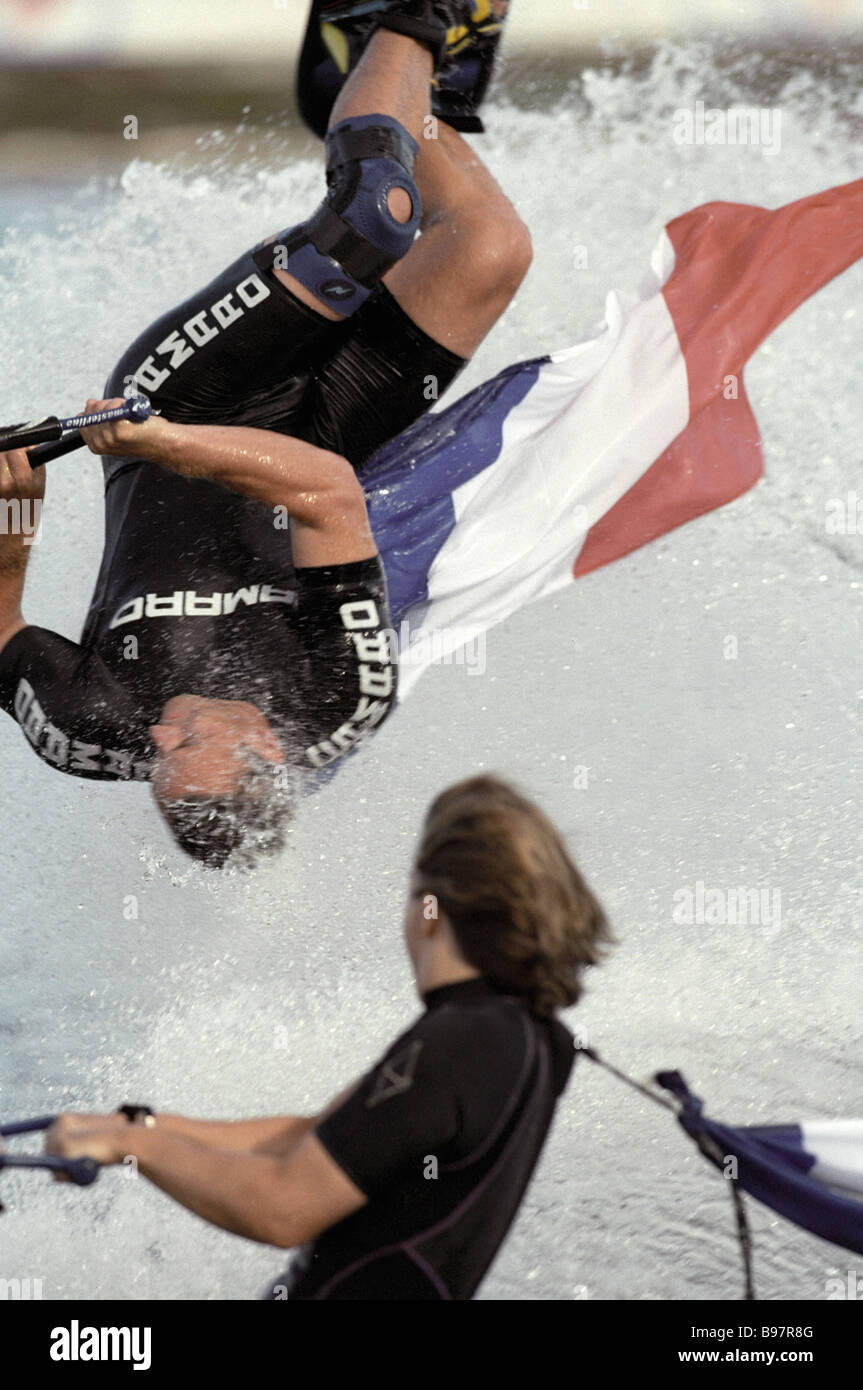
pixel 80 1171
pixel 26 1126
pixel 46 437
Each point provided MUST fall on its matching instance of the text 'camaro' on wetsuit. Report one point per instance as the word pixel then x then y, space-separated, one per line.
pixel 442 1136
pixel 314 657
pixel 197 593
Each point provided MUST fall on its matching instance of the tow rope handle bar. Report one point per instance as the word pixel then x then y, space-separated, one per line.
pixel 80 1171
pixel 57 435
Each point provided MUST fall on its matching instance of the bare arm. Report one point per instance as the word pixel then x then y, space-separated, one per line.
pixel 21 493
pixel 277 1201
pixel 11 593
pixel 282 1190
pixel 319 491
pixel 277 1134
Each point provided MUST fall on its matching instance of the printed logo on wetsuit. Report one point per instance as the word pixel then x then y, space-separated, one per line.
pixel 72 754
pixel 377 672
pixel 396 1075
pixel 199 330
pixel 188 603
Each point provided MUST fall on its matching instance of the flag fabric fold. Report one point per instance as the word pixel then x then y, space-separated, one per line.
pixel 810 1173
pixel 565 463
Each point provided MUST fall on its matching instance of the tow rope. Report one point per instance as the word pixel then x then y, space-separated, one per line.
pixel 708 1147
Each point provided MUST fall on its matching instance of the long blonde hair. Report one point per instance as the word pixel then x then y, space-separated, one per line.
pixel 521 912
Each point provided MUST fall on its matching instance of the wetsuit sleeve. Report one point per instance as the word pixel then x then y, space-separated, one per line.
pixel 75 714
pixel 405 1110
pixel 351 668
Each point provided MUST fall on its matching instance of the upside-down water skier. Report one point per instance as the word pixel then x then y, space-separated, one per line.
pixel 221 661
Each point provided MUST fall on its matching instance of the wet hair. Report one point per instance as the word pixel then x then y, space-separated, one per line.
pixel 519 908
pixel 238 830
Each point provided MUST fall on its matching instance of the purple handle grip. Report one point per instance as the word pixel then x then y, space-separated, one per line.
pixel 50 431
pixel 81 1171
pixel 136 408
pixel 27 1126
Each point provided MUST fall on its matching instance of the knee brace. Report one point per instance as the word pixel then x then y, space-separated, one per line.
pixel 352 240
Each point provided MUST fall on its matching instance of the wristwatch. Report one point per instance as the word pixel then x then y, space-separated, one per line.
pixel 137 1114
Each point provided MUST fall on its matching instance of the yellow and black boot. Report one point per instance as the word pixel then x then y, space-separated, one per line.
pixel 463 36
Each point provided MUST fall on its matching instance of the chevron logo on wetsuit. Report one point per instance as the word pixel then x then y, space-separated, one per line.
pixel 396 1076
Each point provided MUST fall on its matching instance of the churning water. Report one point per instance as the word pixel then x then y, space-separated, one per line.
pixel 126 974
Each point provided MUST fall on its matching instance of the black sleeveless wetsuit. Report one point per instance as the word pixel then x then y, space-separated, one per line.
pixel 197 592
pixel 442 1136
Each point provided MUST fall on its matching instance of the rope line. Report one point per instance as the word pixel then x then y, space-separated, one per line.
pixel 711 1151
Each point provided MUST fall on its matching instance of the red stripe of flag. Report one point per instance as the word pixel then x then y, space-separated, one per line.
pixel 739 271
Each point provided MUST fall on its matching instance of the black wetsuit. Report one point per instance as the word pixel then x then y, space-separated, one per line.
pixel 442 1136
pixel 197 593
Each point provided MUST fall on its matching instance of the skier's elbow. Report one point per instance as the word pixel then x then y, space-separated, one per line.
pixel 333 493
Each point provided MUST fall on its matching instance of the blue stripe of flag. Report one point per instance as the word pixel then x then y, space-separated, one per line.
pixel 410 482
pixel 772 1169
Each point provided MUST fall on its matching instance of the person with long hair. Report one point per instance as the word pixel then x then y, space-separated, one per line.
pixel 406 1185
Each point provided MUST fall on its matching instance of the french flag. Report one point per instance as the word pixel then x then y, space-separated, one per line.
pixel 562 464
pixel 811 1173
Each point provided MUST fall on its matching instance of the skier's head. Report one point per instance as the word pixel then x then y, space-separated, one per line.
pixel 494 873
pixel 220 779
